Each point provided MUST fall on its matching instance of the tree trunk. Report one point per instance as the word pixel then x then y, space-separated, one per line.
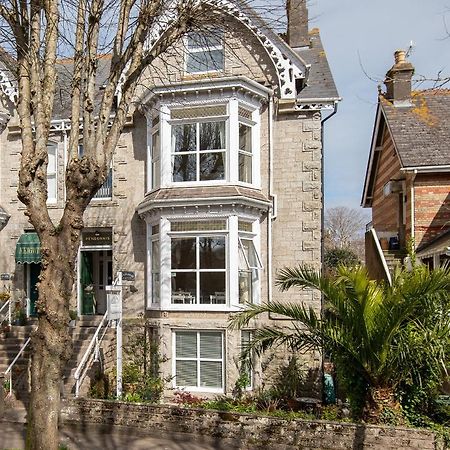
pixel 51 342
pixel 382 407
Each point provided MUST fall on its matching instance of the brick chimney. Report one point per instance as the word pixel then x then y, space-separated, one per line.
pixel 297 23
pixel 398 80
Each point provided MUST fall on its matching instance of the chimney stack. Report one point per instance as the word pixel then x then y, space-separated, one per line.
pixel 398 80
pixel 297 23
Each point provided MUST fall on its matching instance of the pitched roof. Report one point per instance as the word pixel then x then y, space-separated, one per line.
pixel 421 132
pixel 320 83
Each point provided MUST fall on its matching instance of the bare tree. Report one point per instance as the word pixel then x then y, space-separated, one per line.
pixel 344 226
pixel 134 32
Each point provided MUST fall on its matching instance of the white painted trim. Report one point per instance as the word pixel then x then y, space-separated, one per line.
pixel 165 276
pixel 233 261
pixel 427 169
pixel 233 144
pixel 381 255
pixel 198 359
pixel 149 267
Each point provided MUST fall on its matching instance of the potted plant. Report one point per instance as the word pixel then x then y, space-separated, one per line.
pixel 73 314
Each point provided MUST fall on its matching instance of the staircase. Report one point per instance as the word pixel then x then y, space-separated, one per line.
pixel 394 258
pixel 12 341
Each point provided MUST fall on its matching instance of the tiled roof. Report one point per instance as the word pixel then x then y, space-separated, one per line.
pixel 192 193
pixel 421 132
pixel 320 83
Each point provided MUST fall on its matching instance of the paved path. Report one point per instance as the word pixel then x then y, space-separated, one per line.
pixel 93 437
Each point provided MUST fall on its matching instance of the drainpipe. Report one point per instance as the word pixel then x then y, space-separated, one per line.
pixel 412 205
pixel 272 212
pixel 322 172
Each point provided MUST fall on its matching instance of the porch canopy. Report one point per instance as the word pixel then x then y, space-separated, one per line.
pixel 28 249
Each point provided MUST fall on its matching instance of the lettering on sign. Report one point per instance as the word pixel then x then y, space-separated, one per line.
pixel 128 276
pixel 97 238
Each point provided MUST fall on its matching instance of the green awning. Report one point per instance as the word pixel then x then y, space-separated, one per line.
pixel 28 249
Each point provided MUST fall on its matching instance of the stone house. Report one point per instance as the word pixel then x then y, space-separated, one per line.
pixel 215 184
pixel 407 182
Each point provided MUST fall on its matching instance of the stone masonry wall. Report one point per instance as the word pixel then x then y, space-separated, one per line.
pixel 247 431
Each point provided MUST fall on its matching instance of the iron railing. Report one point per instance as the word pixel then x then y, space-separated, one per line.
pixel 9 369
pixel 4 316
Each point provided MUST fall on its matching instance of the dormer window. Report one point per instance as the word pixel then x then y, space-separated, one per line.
pixel 204 52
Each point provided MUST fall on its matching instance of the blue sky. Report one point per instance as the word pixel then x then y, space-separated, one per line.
pixel 361 36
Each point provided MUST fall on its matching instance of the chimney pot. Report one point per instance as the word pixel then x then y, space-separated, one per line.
pixel 400 56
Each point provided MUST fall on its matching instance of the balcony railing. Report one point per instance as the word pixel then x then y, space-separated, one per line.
pixel 106 189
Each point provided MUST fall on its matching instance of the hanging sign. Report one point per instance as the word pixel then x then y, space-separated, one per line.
pixel 114 302
pixel 97 238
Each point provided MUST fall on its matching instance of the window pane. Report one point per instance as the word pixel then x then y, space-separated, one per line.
pixel 183 138
pixel 212 135
pixel 212 166
pixel 155 287
pixel 184 168
pixel 156 176
pixel 186 373
pixel 155 254
pixel 245 138
pixel 51 150
pixel 184 288
pixel 199 225
pixel 186 344
pixel 198 112
pixel 205 61
pixel 51 187
pixel 155 145
pixel 212 252
pixel 211 345
pixel 245 168
pixel 204 40
pixel 211 374
pixel 212 288
pixel 183 253
pixel 245 286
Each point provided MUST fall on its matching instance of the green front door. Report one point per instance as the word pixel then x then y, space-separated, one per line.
pixel 87 293
pixel 35 270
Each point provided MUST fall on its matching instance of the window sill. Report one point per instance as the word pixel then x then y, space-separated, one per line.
pixel 196 308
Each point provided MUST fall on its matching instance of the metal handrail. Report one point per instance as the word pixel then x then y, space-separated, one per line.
pixel 9 369
pixel 80 373
pixel 6 304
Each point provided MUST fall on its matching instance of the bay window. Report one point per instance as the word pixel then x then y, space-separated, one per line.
pixel 206 264
pixel 198 360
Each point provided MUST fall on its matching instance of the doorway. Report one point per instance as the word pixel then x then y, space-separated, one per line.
pixel 33 272
pixel 95 273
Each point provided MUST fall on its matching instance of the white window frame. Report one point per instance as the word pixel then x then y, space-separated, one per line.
pixel 197 270
pixel 207 49
pixel 198 152
pixel 232 262
pixel 231 158
pixel 197 388
pixel 52 174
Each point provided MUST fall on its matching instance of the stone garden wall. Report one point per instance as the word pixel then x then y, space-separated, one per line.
pixel 247 431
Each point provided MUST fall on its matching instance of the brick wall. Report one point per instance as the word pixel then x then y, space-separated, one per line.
pixel 247 431
pixel 431 206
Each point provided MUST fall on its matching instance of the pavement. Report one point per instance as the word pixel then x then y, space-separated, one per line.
pixel 103 437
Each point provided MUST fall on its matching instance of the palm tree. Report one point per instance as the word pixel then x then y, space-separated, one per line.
pixel 367 326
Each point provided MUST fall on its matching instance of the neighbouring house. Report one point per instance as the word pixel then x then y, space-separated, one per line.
pixel 216 183
pixel 407 182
